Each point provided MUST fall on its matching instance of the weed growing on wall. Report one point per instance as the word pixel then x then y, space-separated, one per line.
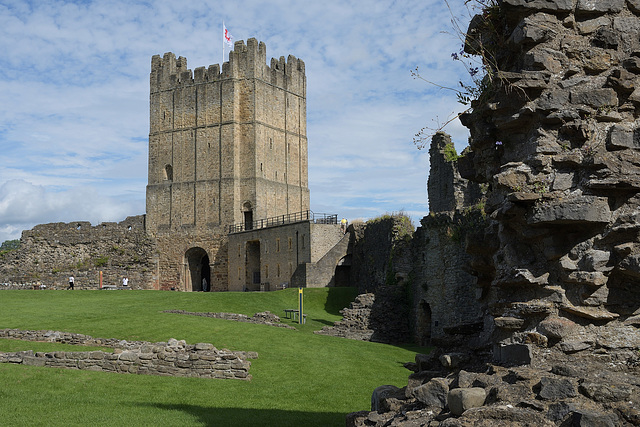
pixel 450 153
pixel 478 53
pixel 9 245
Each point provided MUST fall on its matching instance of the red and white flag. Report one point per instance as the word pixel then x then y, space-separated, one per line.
pixel 227 37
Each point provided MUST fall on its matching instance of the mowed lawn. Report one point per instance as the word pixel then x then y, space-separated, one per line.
pixel 299 379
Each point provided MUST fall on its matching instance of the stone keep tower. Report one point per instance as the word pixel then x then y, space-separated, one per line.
pixel 225 147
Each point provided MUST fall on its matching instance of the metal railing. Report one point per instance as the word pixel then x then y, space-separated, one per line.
pixel 318 218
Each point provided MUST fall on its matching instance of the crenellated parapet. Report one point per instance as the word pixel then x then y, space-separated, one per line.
pixel 227 144
pixel 245 61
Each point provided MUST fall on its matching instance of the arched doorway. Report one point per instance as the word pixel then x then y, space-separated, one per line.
pixel 343 272
pixel 247 212
pixel 198 275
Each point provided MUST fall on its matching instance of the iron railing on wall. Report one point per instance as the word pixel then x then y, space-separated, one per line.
pixel 318 218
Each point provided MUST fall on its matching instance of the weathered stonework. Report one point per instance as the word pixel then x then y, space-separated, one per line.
pixel 287 255
pixel 381 252
pixel 50 253
pixel 171 358
pixel 555 145
pixel 554 264
pixel 379 317
pixel 225 146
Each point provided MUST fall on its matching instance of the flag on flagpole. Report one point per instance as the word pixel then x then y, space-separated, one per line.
pixel 227 37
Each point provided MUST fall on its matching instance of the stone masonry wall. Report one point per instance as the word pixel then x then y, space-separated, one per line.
pixel 227 144
pixel 380 252
pixel 448 304
pixel 173 269
pixel 50 253
pixel 171 358
pixel 227 140
pixel 555 141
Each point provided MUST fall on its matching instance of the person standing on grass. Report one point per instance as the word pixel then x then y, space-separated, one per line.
pixel 71 283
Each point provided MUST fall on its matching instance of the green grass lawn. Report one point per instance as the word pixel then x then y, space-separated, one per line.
pixel 299 379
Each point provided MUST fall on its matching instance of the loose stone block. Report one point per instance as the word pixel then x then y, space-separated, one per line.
pixel 556 389
pixel 512 354
pixel 461 399
pixel 433 393
pixel 583 209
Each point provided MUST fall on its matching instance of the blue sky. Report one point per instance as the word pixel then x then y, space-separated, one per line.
pixel 74 91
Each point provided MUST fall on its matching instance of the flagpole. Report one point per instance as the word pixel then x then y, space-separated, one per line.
pixel 222 63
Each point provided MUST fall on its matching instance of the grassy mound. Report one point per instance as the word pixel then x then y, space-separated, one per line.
pixel 299 379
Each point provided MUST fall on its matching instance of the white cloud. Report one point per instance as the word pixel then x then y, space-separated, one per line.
pixel 75 79
pixel 23 204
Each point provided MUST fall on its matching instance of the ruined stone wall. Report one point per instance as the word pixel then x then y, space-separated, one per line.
pixel 380 317
pixel 50 253
pixel 171 358
pixel 447 190
pixel 448 305
pixel 380 252
pixel 555 140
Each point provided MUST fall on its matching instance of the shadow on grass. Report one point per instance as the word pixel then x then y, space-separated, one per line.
pixel 210 417
pixel 339 298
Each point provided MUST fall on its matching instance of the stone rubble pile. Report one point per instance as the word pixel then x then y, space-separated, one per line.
pixel 355 323
pixel 379 317
pixel 588 392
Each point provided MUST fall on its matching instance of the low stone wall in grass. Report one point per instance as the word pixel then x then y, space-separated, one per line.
pixel 172 358
pixel 262 318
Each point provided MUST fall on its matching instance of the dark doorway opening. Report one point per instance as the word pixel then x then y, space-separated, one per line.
pixel 248 220
pixel 343 272
pixel 247 211
pixel 199 271
pixel 205 273
pixel 252 267
pixel 424 323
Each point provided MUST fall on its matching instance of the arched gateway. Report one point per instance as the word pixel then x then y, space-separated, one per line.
pixel 198 270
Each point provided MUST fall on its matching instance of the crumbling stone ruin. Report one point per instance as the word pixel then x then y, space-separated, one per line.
pixel 379 317
pixel 447 305
pixel 552 247
pixel 380 251
pixel 50 253
pixel 171 358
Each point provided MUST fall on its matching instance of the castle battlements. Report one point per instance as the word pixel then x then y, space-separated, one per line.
pixel 245 61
